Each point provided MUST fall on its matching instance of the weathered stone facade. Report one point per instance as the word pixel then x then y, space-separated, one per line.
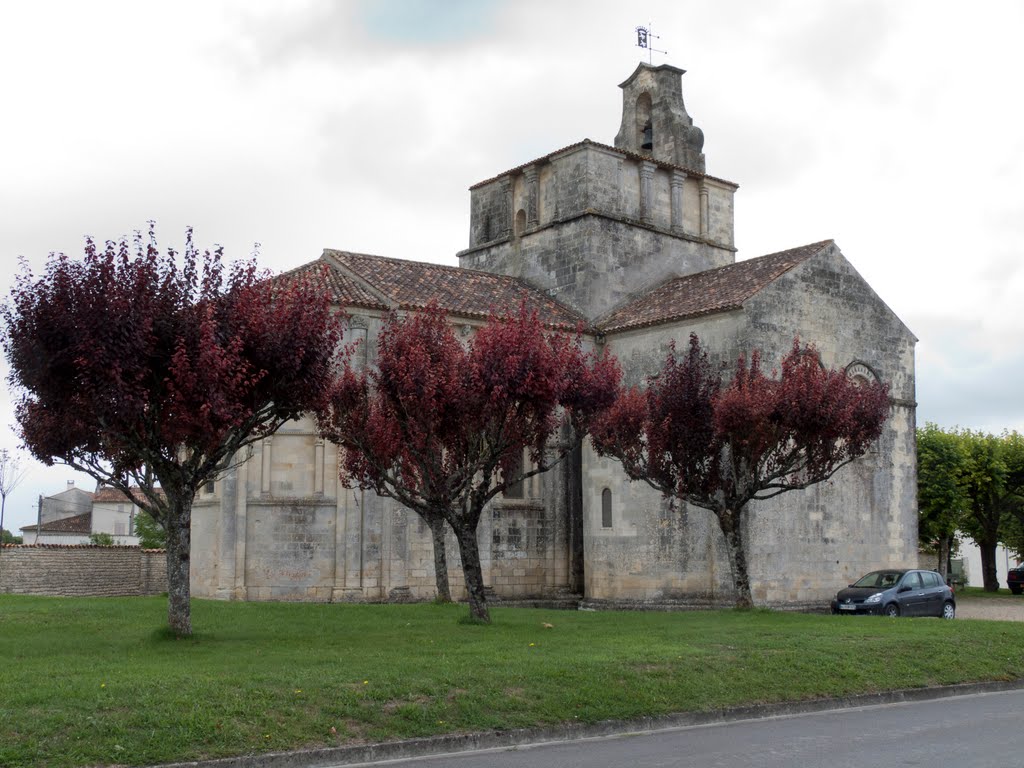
pixel 635 243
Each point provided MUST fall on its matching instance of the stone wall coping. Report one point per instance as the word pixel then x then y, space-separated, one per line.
pixel 591 144
pixel 665 231
pixel 77 546
pixel 84 546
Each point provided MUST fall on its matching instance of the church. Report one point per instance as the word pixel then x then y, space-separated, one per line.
pixel 634 242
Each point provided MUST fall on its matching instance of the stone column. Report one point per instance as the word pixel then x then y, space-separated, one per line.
pixel 646 203
pixel 240 512
pixel 318 468
pixel 532 197
pixel 705 213
pixel 507 205
pixel 355 535
pixel 266 465
pixel 677 181
pixel 340 537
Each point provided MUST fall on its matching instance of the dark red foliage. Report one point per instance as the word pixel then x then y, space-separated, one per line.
pixel 442 425
pixel 130 359
pixel 144 368
pixel 758 436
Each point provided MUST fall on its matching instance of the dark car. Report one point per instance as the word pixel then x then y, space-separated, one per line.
pixel 897 592
pixel 1015 579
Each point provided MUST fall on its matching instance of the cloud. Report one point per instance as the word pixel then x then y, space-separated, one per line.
pixel 833 45
pixel 968 376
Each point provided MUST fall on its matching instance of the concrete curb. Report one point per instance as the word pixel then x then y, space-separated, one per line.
pixel 439 745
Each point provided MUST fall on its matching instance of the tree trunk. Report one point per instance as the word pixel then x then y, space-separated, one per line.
pixel 179 546
pixel 943 569
pixel 470 552
pixel 437 531
pixel 989 575
pixel 729 522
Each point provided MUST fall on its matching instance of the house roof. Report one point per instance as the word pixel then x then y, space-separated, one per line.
pixel 110 494
pixel 708 292
pixel 377 282
pixel 81 524
pixel 69 494
pixel 344 290
pixel 628 153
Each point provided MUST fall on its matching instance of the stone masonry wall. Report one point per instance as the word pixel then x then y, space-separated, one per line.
pixel 282 527
pixel 82 571
pixel 802 545
pixel 592 226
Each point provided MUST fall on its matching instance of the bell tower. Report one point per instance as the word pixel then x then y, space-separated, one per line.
pixel 654 119
pixel 593 224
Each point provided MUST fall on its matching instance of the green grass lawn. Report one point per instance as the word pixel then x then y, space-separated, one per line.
pixel 979 592
pixel 95 681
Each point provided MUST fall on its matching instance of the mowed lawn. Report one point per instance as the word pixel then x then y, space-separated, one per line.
pixel 96 681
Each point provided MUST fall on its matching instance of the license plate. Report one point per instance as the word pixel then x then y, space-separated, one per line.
pixel 845 607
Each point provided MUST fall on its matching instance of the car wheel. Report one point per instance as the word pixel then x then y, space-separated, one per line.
pixel 892 610
pixel 948 610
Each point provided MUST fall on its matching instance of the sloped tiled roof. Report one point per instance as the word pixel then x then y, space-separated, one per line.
pixel 412 285
pixel 109 494
pixel 590 143
pixel 703 293
pixel 344 289
pixel 77 524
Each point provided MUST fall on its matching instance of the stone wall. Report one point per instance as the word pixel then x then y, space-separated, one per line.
pixel 593 225
pixel 281 526
pixel 802 545
pixel 82 571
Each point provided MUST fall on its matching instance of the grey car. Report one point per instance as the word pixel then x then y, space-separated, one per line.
pixel 897 592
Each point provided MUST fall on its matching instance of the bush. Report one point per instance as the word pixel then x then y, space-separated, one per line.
pixel 6 537
pixel 151 534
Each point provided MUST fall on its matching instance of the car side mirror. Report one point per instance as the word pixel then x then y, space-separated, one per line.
pixel 904 588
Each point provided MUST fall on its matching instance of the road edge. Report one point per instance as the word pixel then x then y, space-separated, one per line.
pixel 329 757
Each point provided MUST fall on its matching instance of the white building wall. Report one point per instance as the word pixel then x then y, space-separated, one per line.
pixel 971 555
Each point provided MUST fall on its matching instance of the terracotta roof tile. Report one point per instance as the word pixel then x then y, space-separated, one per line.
pixel 109 494
pixel 703 293
pixel 344 290
pixel 77 524
pixel 411 285
pixel 599 145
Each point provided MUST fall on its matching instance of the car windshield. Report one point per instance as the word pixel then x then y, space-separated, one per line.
pixel 879 579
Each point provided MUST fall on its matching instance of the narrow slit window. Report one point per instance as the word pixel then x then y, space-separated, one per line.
pixel 606 508
pixel 515 489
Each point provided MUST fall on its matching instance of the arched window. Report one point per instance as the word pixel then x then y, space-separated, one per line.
pixel 520 222
pixel 606 508
pixel 644 127
pixel 861 373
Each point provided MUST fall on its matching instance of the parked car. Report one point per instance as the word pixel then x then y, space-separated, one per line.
pixel 897 592
pixel 1015 579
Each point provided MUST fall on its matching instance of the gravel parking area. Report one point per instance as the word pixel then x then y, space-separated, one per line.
pixel 996 608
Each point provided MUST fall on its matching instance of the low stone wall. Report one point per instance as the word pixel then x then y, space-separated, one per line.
pixel 82 570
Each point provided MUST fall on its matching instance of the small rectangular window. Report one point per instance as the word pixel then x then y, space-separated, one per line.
pixel 606 508
pixel 515 489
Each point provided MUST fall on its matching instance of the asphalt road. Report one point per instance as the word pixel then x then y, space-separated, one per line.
pixel 978 731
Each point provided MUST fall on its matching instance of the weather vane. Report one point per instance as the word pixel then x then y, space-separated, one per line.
pixel 643 40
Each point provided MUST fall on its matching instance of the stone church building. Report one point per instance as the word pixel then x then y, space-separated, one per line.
pixel 635 242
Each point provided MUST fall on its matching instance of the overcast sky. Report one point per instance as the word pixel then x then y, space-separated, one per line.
pixel 891 126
